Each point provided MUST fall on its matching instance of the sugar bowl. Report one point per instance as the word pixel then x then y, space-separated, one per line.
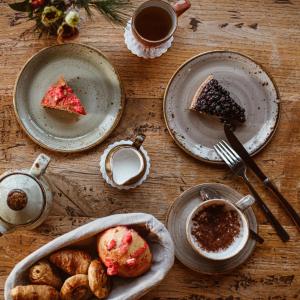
pixel 25 197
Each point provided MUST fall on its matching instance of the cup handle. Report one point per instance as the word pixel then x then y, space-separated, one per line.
pixel 181 6
pixel 40 165
pixel 138 141
pixel 245 202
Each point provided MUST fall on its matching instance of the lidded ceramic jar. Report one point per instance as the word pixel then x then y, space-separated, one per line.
pixel 25 197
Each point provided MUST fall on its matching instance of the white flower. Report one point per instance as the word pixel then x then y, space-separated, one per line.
pixel 72 18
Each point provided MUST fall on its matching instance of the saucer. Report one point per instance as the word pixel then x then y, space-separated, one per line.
pixel 139 49
pixel 103 169
pixel 248 84
pixel 93 79
pixel 176 224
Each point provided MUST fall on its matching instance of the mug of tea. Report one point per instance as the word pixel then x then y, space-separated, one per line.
pixel 152 26
pixel 125 164
pixel 218 229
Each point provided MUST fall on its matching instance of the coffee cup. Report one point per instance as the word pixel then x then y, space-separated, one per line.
pixel 217 229
pixel 155 21
pixel 126 164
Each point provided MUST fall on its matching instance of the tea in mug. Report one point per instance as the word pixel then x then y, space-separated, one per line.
pixel 153 23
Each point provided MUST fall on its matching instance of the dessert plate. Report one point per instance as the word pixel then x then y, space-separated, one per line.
pixel 93 79
pixel 249 85
pixel 176 224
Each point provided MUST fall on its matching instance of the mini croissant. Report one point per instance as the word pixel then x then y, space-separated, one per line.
pixel 71 261
pixel 76 288
pixel 30 292
pixel 98 280
pixel 42 273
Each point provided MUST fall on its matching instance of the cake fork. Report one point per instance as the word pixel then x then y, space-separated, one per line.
pixel 238 167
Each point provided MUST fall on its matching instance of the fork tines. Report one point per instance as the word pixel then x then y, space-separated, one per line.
pixel 227 153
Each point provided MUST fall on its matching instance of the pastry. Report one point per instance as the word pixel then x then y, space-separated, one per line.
pixel 98 281
pixel 71 261
pixel 211 98
pixel 31 292
pixel 42 273
pixel 124 252
pixel 61 96
pixel 76 288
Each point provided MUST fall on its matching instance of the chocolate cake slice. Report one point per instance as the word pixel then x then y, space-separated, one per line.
pixel 211 98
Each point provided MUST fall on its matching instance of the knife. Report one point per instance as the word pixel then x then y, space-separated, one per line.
pixel 239 148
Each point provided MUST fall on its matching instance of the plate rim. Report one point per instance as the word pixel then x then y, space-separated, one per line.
pixel 171 206
pixel 215 162
pixel 99 140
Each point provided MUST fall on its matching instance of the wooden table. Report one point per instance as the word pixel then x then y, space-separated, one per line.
pixel 269 32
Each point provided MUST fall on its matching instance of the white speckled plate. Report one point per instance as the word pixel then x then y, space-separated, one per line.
pixel 176 224
pixel 248 84
pixel 93 79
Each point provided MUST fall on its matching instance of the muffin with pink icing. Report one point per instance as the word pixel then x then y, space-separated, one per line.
pixel 124 252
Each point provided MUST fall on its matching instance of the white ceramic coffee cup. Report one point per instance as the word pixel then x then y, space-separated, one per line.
pixel 240 240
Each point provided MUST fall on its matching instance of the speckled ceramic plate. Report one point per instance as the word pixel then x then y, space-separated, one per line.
pixel 176 224
pixel 93 79
pixel 248 84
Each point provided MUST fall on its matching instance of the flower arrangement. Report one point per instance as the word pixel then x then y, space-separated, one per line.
pixel 62 17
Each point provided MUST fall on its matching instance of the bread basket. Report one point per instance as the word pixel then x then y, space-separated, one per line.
pixel 149 227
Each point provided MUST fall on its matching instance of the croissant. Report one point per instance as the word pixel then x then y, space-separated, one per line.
pixel 98 280
pixel 71 261
pixel 31 292
pixel 42 273
pixel 76 288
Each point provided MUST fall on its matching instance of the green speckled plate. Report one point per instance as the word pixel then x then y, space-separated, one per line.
pixel 93 79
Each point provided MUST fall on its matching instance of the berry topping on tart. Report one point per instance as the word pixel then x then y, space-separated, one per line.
pixel 211 98
pixel 61 96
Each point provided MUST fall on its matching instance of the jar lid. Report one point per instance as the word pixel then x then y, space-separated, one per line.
pixel 22 199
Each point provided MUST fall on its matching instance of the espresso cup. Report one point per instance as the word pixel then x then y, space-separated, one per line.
pixel 155 21
pixel 126 164
pixel 240 239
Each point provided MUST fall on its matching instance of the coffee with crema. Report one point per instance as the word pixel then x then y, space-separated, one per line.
pixel 216 227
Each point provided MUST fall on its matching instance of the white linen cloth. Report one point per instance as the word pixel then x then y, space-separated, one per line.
pixel 151 229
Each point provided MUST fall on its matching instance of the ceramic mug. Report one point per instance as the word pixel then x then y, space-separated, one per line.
pixel 126 164
pixel 239 242
pixel 172 11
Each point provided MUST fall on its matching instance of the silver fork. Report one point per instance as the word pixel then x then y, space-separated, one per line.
pixel 238 167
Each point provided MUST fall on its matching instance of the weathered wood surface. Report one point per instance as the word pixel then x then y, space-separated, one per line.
pixel 269 32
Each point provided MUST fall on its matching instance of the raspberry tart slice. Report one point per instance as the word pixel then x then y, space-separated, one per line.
pixel 211 98
pixel 61 96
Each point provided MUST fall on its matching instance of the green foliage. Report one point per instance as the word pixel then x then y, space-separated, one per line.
pixel 112 9
pixel 21 6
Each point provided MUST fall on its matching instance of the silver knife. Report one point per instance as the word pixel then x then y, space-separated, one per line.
pixel 239 148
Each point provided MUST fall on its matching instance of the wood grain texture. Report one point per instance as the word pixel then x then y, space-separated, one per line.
pixel 269 32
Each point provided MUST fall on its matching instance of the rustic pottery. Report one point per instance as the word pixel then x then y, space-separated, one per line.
pixel 238 244
pixel 25 197
pixel 125 164
pixel 249 85
pixel 92 77
pixel 177 217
